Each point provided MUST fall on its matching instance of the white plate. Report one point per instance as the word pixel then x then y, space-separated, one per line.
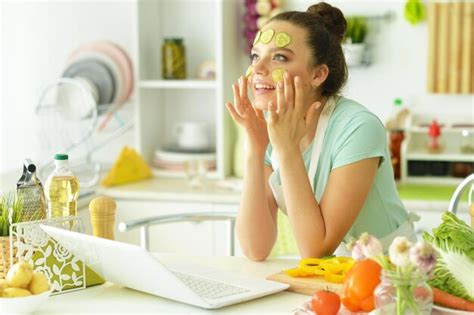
pixel 449 311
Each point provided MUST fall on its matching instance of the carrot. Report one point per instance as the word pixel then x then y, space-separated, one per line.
pixel 445 299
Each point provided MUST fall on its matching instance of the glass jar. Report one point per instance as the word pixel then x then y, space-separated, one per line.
pixel 467 142
pixel 396 138
pixel 173 63
pixel 403 294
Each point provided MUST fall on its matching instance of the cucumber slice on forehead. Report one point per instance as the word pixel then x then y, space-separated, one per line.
pixel 257 37
pixel 249 71
pixel 267 36
pixel 282 39
pixel 277 74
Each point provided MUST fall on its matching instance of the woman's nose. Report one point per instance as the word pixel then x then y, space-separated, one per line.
pixel 260 67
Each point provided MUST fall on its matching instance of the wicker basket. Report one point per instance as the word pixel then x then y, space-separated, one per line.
pixel 4 256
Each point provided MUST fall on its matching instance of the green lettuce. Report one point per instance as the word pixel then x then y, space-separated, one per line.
pixel 454 241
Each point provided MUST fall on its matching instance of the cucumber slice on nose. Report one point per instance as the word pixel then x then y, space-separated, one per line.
pixel 282 39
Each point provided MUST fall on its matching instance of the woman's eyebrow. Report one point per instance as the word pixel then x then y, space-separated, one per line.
pixel 274 49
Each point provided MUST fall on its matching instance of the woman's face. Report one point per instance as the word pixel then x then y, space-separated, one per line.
pixel 265 58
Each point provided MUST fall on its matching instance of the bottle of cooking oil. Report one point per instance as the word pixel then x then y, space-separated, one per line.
pixel 62 189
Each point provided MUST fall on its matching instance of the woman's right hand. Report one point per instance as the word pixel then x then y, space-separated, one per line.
pixel 248 117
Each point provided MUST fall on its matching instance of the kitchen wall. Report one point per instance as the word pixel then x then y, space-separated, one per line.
pixel 38 36
pixel 399 65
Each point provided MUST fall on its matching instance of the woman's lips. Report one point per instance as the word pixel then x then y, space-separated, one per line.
pixel 263 88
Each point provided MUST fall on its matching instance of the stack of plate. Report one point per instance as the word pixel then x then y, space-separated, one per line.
pixel 172 159
pixel 105 69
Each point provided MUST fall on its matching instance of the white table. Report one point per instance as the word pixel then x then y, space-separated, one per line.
pixel 112 299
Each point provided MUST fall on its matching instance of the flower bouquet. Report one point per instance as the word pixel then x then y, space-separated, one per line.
pixel 403 288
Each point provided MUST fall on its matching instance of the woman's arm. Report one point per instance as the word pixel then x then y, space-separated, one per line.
pixel 320 228
pixel 256 219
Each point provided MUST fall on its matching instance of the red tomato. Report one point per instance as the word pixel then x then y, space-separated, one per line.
pixel 359 285
pixel 325 303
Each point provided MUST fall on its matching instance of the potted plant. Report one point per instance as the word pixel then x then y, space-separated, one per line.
pixel 354 44
pixel 10 213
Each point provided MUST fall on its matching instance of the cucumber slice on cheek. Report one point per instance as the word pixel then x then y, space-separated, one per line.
pixel 277 74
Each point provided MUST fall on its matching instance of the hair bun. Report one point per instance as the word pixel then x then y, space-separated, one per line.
pixel 332 18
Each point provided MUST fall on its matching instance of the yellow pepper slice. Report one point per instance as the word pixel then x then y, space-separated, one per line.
pixel 329 277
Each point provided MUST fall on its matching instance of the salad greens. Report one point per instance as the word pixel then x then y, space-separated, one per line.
pixel 454 241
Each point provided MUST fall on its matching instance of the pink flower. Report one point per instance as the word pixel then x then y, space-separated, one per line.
pixel 423 256
pixel 367 246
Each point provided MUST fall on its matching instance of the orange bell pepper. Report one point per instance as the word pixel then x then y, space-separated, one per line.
pixel 359 285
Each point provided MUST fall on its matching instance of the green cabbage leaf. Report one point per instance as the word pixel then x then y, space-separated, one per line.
pixel 454 270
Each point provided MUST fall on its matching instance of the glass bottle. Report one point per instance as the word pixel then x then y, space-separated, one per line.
pixel 173 62
pixel 403 294
pixel 62 189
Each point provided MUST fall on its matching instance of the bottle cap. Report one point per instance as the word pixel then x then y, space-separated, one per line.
pixel 61 157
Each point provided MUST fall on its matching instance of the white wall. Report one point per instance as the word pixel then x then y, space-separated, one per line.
pixel 37 37
pixel 399 67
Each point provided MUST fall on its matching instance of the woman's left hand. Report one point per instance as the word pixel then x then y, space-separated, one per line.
pixel 288 120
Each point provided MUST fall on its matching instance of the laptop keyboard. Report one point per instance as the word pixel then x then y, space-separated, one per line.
pixel 207 288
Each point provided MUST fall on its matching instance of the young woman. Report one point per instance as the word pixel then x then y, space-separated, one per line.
pixel 320 158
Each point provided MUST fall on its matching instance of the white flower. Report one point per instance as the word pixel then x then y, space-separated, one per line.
pixel 423 255
pixel 399 251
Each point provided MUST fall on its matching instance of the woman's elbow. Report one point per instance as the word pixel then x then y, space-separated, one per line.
pixel 255 255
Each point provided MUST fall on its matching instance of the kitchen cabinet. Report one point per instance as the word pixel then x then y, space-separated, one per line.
pixel 420 166
pixel 210 33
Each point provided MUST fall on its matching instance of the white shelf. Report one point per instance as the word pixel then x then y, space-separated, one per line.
pixel 157 172
pixel 425 156
pixel 443 129
pixel 446 180
pixel 177 84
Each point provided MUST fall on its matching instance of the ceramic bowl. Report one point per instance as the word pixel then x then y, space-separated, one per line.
pixel 23 305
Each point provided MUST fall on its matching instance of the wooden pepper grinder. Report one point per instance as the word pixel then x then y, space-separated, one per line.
pixel 102 211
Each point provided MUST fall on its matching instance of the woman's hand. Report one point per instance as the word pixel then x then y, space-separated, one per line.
pixel 288 120
pixel 249 118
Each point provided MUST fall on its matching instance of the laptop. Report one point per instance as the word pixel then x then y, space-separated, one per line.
pixel 136 268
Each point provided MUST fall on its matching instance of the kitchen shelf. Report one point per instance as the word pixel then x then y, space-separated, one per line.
pixel 178 84
pixel 425 156
pixel 157 172
pixel 210 33
pixel 443 129
pixel 445 180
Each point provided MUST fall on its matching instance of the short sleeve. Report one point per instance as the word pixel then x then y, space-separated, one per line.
pixel 363 137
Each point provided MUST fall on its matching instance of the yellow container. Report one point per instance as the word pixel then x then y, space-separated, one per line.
pixel 173 62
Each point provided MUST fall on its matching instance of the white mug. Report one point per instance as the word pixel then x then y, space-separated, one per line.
pixel 192 135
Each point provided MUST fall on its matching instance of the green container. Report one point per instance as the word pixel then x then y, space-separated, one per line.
pixel 173 63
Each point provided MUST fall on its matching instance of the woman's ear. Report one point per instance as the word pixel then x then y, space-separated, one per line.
pixel 319 76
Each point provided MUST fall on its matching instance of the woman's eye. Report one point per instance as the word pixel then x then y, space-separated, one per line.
pixel 253 57
pixel 279 57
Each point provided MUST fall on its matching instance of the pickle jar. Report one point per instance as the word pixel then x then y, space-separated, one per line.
pixel 173 59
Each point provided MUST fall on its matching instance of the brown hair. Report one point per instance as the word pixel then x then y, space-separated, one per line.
pixel 325 26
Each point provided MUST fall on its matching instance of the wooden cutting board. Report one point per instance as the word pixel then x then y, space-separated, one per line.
pixel 306 285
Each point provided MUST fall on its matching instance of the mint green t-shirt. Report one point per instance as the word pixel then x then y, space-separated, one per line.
pixel 353 134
